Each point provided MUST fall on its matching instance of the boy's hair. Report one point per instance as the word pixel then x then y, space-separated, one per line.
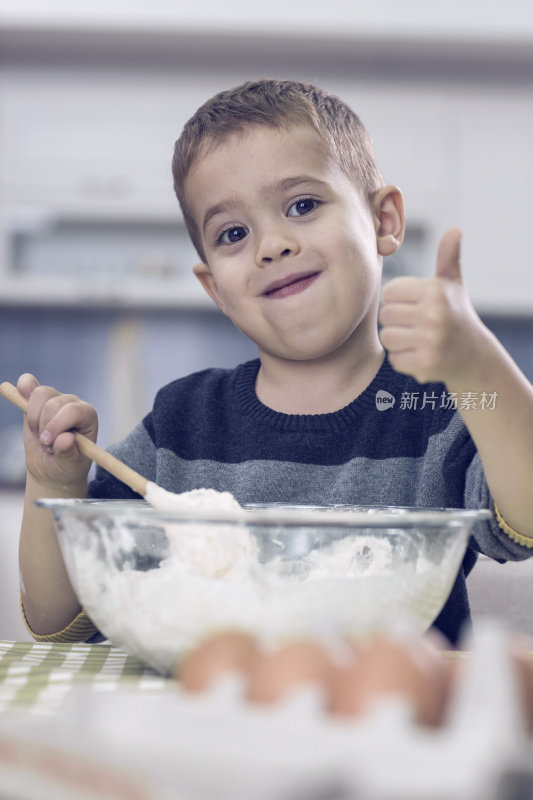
pixel 276 104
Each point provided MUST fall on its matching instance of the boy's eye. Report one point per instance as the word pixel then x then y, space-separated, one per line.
pixel 232 235
pixel 302 206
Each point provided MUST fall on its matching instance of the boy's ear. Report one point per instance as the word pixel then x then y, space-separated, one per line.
pixel 205 276
pixel 389 219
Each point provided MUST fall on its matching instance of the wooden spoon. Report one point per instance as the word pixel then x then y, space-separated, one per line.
pixel 97 454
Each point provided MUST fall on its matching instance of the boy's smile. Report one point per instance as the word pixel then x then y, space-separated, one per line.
pixel 290 284
pixel 289 241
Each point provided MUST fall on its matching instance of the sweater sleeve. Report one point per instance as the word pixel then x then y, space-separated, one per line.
pixel 81 629
pixel 525 541
pixel 137 451
pixel 493 537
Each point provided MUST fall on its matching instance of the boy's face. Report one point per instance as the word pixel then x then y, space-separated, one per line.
pixel 290 243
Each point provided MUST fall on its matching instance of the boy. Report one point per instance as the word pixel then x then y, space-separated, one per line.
pixel 291 219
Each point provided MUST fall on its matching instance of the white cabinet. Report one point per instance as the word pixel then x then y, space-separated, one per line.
pixel 463 155
pixel 88 155
pixel 416 143
pixel 495 192
pixel 87 141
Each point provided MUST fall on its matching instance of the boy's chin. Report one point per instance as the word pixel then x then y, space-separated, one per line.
pixel 299 353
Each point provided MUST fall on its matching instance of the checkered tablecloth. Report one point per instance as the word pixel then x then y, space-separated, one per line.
pixel 39 677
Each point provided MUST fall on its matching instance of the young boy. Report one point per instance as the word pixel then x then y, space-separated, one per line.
pixel 291 219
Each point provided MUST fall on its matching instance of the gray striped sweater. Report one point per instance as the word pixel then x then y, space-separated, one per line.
pixel 398 443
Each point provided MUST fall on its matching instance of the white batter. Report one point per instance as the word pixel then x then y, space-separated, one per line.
pixel 211 579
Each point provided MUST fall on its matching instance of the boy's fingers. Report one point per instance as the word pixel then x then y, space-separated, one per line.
pixel 27 383
pixel 65 444
pixel 38 398
pixel 449 255
pixel 64 413
pixel 405 289
pixel 44 406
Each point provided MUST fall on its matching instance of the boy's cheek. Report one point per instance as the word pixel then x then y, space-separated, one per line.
pixel 206 278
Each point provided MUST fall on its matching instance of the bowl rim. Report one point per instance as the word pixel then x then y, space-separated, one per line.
pixel 280 514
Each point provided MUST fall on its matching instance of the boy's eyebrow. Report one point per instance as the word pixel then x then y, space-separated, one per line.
pixel 283 185
pixel 219 208
pixel 286 184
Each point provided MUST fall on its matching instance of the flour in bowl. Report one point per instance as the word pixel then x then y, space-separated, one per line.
pixel 212 550
pixel 206 500
pixel 196 577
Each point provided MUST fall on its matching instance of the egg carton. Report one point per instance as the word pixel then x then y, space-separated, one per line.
pixel 216 746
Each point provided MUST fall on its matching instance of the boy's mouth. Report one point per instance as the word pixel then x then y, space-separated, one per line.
pixel 291 284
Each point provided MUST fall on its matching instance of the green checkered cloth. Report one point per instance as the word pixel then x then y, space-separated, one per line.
pixel 39 676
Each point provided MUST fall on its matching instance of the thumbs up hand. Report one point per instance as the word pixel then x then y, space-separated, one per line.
pixel 449 256
pixel 428 325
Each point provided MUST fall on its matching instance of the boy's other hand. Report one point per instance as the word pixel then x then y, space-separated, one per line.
pixel 429 326
pixel 52 456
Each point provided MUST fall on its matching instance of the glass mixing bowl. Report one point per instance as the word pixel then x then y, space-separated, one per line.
pixel 156 583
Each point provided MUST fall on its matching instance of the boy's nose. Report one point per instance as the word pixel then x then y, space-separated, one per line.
pixel 274 246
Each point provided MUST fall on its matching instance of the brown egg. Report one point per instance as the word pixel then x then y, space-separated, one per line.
pixel 454 662
pixel 293 664
pixel 227 652
pixel 521 649
pixel 389 666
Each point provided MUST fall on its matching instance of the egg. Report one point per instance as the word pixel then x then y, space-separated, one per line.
pixel 220 654
pixel 521 650
pixel 294 664
pixel 390 666
pixel 454 661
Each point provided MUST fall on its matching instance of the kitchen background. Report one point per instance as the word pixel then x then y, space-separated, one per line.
pixel 96 293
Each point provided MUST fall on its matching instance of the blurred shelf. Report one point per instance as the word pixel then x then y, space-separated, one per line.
pixel 103 257
pixel 397 53
pixel 122 293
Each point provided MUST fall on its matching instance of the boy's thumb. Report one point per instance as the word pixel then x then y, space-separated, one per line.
pixel 449 255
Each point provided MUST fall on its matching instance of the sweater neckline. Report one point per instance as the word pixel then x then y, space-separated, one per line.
pixel 250 405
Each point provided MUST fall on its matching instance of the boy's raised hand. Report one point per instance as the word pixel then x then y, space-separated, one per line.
pixel 429 326
pixel 52 456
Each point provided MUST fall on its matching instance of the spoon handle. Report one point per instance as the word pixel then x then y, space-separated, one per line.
pixel 89 449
